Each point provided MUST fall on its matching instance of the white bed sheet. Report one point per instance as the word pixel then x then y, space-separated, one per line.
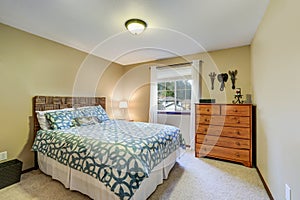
pixel 86 184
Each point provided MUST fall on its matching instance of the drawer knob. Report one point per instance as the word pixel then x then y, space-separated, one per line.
pixel 237 143
pixel 207 110
pixel 207 120
pixel 238 133
pixel 205 130
pixel 235 110
pixel 237 154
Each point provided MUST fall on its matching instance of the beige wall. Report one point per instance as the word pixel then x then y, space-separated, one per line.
pixel 275 73
pixel 29 66
pixel 106 85
pixel 136 79
pixel 134 86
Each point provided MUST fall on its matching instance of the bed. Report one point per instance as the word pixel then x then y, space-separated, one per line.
pixel 78 145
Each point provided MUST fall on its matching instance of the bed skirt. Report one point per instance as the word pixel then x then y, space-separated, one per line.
pixel 86 184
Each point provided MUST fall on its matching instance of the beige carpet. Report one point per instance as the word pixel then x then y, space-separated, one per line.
pixel 191 178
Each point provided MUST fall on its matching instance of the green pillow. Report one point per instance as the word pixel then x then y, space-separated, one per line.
pixel 60 119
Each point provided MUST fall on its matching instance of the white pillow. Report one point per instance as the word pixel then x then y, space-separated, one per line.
pixel 42 119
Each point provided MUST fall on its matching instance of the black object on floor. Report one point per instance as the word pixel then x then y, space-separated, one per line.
pixel 10 172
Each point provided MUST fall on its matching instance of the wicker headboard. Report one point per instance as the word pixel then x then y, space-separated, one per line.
pixel 41 103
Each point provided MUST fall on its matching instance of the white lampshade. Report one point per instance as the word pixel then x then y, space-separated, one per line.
pixel 123 104
pixel 135 26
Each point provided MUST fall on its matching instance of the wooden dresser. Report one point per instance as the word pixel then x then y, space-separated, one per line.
pixel 224 131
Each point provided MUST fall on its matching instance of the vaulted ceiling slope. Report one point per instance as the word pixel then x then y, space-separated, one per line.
pixel 175 27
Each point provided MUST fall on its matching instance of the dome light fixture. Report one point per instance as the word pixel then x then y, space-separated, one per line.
pixel 135 26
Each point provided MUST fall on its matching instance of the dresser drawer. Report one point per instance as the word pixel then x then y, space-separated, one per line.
pixel 207 109
pixel 241 110
pixel 235 121
pixel 221 152
pixel 223 141
pixel 210 119
pixel 243 133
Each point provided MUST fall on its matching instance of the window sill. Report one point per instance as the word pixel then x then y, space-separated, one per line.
pixel 174 112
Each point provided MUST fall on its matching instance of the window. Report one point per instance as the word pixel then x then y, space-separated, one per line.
pixel 174 95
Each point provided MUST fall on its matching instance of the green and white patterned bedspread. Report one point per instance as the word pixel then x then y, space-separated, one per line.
pixel 120 154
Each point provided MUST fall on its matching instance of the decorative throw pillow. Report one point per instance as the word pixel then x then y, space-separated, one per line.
pixel 84 121
pixel 60 119
pixel 97 111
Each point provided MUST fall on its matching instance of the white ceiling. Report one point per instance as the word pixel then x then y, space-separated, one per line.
pixel 175 27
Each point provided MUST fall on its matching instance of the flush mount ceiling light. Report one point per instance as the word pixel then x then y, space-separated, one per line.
pixel 135 26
